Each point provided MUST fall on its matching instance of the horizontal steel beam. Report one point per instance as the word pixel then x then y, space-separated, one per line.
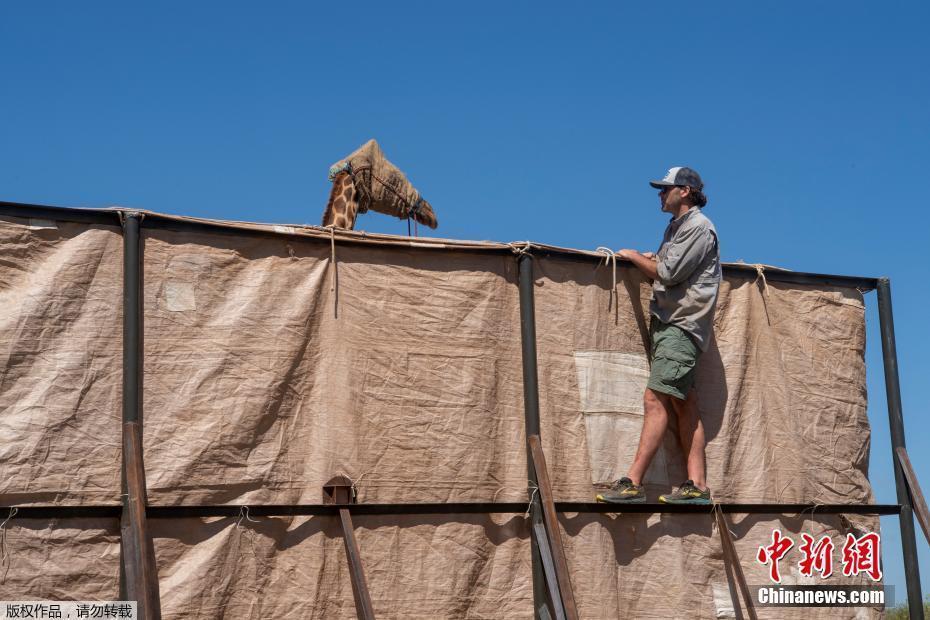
pixel 772 509
pixel 44 212
pixel 181 224
pixel 276 510
pixel 62 512
pixel 862 283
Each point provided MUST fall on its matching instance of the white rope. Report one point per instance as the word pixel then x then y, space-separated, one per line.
pixel 334 279
pixel 529 505
pixel 244 514
pixel 355 482
pixel 716 509
pixel 760 273
pixel 610 257
pixel 12 514
pixel 4 556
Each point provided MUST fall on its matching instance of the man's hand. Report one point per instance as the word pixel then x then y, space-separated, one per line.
pixel 645 262
pixel 627 253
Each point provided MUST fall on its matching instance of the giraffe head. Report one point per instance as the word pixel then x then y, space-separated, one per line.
pixel 343 205
pixel 346 202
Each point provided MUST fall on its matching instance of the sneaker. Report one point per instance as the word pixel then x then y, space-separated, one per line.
pixel 623 491
pixel 687 493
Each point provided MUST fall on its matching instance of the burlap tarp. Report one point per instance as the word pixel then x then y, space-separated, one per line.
pixel 269 367
pixel 381 184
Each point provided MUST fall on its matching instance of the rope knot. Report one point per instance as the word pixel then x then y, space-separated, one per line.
pixel 760 273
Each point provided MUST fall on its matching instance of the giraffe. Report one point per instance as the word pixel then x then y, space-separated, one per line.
pixel 346 203
pixel 367 180
pixel 343 205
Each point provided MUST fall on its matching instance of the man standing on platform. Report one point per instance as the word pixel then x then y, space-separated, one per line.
pixel 686 277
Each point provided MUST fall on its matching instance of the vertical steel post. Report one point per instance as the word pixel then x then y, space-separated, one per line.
pixel 896 424
pixel 132 319
pixel 138 570
pixel 531 413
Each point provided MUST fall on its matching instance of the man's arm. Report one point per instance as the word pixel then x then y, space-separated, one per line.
pixel 645 262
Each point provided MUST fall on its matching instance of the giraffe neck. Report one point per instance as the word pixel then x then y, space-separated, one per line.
pixel 342 208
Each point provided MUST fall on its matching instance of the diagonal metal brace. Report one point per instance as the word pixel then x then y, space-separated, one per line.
pixel 552 582
pixel 919 504
pixel 363 605
pixel 341 492
pixel 732 558
pixel 554 537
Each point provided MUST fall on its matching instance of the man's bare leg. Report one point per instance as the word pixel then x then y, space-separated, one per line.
pixel 656 408
pixel 691 437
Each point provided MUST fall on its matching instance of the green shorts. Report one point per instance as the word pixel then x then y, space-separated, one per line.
pixel 674 358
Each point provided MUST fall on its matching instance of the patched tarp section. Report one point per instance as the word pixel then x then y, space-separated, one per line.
pixel 673 566
pixel 277 357
pixel 60 362
pixel 430 566
pixel 72 559
pixel 407 378
pixel 781 389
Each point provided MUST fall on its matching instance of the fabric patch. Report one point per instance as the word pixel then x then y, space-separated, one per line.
pixel 610 381
pixel 184 271
pixel 611 386
pixel 179 296
pixel 723 601
pixel 612 442
pixel 38 224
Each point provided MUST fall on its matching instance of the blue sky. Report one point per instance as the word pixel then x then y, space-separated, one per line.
pixel 808 121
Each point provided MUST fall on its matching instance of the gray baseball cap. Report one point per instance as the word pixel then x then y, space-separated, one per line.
pixel 679 175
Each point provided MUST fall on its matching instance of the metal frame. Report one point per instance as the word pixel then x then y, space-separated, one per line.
pixel 108 511
pixel 110 217
pixel 138 572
